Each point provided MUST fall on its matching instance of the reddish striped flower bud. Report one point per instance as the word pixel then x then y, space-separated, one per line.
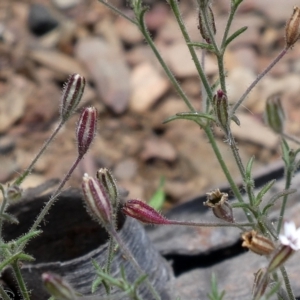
pixel 97 200
pixel 58 287
pixel 108 181
pixel 86 129
pixel 143 212
pixel 220 103
pixel 72 94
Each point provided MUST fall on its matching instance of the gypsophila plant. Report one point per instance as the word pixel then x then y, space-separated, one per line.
pixel 259 234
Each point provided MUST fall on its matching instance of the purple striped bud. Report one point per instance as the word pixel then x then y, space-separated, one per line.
pixel 86 129
pixel 72 94
pixel 141 211
pixel 220 103
pixel 108 181
pixel 97 200
pixel 58 287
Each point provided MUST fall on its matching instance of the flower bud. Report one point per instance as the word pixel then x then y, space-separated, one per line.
pixel 143 212
pixel 58 287
pixel 220 103
pixel 97 200
pixel 86 129
pixel 220 207
pixel 108 181
pixel 72 94
pixel 257 243
pixel 14 193
pixel 260 284
pixel 292 29
pixel 274 116
pixel 280 257
pixel 203 26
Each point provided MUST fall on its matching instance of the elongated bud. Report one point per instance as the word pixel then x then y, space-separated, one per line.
pixel 86 129
pixel 108 181
pixel 72 94
pixel 220 103
pixel 257 243
pixel 204 31
pixel 292 29
pixel 274 116
pixel 260 284
pixel 220 207
pixel 97 200
pixel 58 287
pixel 280 257
pixel 143 212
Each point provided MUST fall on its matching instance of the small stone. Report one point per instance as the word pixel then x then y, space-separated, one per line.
pixel 40 20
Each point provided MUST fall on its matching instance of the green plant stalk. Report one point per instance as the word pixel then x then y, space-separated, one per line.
pixel 287 283
pixel 258 78
pixel 233 10
pixel 210 224
pixel 290 137
pixel 21 178
pixel 9 261
pixel 170 75
pixel 117 11
pixel 110 256
pixel 288 182
pixel 113 233
pixel 3 295
pixel 20 281
pixel 232 184
pixel 175 9
pixel 52 199
pixel 2 209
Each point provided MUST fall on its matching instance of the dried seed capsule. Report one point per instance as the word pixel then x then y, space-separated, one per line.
pixel 143 212
pixel 86 129
pixel 260 284
pixel 58 287
pixel 220 207
pixel 72 94
pixel 274 115
pixel 292 29
pixel 97 200
pixel 257 243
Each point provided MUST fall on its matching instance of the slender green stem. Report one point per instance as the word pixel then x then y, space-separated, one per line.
pixel 174 6
pixel 164 66
pixel 3 294
pixel 288 182
pixel 117 11
pixel 258 78
pixel 112 231
pixel 54 196
pixel 290 137
pixel 110 256
pixel 2 209
pixel 9 260
pixel 21 178
pixel 232 184
pixel 287 283
pixel 20 281
pixel 210 224
pixel 233 9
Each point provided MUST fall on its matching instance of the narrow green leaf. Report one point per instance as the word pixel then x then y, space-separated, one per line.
pixel 285 152
pixel 235 34
pixel 203 46
pixel 249 167
pixel 26 257
pixel 190 116
pixel 278 195
pixel 263 191
pixel 25 238
pixel 9 218
pixel 158 198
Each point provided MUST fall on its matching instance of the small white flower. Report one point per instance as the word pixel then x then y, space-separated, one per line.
pixel 291 236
